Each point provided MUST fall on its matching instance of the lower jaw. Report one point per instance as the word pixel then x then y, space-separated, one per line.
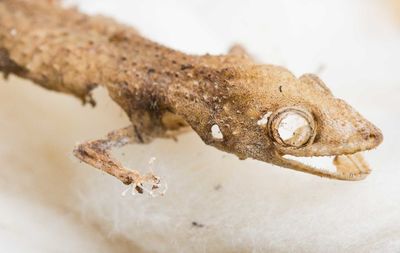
pixel 343 167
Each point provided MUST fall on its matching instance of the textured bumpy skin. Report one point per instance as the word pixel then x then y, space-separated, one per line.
pixel 163 90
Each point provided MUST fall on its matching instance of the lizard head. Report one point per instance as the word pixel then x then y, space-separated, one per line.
pixel 270 115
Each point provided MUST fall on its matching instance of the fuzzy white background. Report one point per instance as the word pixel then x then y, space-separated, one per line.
pixel 49 202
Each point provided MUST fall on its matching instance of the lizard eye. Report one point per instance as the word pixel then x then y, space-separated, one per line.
pixel 292 127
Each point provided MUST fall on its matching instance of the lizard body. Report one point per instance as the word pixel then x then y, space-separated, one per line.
pixel 163 90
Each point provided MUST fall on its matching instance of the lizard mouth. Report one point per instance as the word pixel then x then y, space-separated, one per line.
pixel 349 167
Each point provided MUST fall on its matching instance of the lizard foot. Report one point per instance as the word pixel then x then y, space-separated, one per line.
pixel 149 183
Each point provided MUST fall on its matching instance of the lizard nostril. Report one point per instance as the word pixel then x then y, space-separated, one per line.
pixel 377 136
pixel 374 137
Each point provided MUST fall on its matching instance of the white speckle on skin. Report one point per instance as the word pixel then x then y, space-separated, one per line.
pixel 264 119
pixel 13 32
pixel 216 132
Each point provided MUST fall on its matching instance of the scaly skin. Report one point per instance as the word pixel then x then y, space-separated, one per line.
pixel 163 90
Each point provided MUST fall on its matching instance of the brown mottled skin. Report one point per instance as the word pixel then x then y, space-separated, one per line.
pixel 163 90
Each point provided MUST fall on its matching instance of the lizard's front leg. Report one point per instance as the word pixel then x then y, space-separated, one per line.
pixel 97 154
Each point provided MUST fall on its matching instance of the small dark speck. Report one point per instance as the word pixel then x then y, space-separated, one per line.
pixel 139 189
pixel 218 187
pixel 123 154
pixel 151 70
pixel 186 66
pixel 197 225
pixel 280 88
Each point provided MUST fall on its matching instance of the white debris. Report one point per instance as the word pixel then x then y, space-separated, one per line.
pixel 216 132
pixel 264 119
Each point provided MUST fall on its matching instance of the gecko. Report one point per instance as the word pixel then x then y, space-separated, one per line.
pixel 231 101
